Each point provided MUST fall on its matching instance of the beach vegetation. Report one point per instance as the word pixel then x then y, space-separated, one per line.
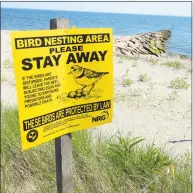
pixel 119 164
pixel 3 78
pixel 173 96
pixel 153 61
pixel 173 64
pixel 119 61
pixel 135 64
pixel 7 63
pixel 153 47
pixel 144 77
pixel 127 82
pixel 179 83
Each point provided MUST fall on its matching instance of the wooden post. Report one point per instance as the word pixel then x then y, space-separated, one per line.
pixel 63 144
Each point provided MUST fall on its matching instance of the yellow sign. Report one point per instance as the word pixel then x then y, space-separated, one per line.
pixel 64 81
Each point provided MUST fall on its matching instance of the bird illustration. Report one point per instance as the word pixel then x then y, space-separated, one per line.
pixel 86 77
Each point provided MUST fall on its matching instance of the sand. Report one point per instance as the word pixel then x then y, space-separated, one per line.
pixel 147 109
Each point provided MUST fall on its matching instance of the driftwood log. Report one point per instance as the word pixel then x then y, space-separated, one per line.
pixel 152 43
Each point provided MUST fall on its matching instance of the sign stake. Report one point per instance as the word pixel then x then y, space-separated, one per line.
pixel 63 144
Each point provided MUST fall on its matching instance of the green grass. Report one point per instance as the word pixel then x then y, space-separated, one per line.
pixel 144 77
pixel 7 63
pixel 174 96
pixel 153 61
pixel 116 165
pixel 24 171
pixel 127 82
pixel 119 61
pixel 3 78
pixel 174 64
pixel 135 64
pixel 179 83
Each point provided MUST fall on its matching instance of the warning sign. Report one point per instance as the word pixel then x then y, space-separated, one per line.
pixel 64 81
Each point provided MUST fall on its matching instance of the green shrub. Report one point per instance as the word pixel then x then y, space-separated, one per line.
pixel 144 77
pixel 173 64
pixel 127 82
pixel 174 96
pixel 3 78
pixel 7 63
pixel 153 61
pixel 179 83
pixel 135 64
pixel 119 61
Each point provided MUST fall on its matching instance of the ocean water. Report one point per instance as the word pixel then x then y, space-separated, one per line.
pixel 122 24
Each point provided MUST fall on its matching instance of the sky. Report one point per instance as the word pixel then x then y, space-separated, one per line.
pixel 150 8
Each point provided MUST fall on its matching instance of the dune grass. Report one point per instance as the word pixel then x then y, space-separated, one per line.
pixel 116 165
pixel 3 78
pixel 28 171
pixel 7 63
pixel 153 61
pixel 144 77
pixel 179 83
pixel 127 82
pixel 173 64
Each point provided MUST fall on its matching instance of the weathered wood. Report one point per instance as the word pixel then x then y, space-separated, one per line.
pixel 63 144
pixel 59 23
pixel 63 151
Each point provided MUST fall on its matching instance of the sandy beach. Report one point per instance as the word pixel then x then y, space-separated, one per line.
pixel 151 109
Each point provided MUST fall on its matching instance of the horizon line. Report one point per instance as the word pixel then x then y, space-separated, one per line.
pixel 96 12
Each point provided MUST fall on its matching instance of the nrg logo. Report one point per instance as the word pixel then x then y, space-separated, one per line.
pixel 104 115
